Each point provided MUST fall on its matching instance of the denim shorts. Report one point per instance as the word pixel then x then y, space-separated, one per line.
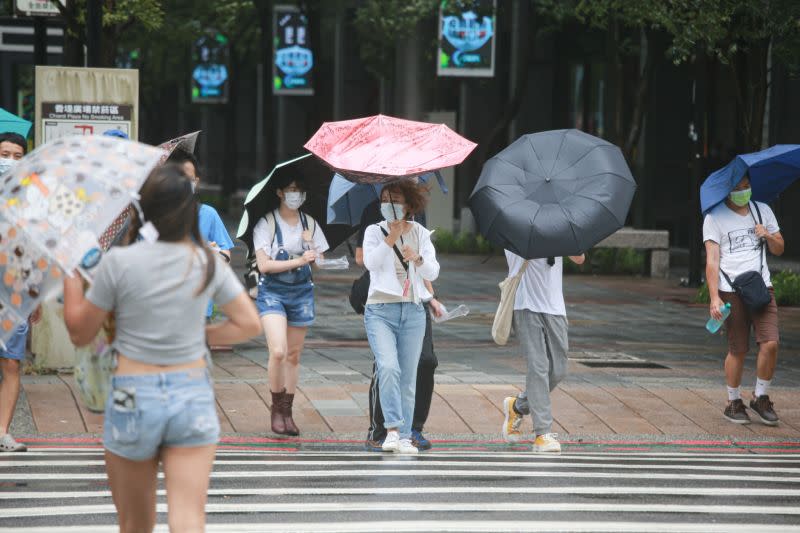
pixel 172 409
pixel 15 345
pixel 295 302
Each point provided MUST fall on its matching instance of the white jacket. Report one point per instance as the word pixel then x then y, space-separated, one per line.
pixel 379 259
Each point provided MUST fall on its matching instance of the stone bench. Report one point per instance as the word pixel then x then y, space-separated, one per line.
pixel 657 241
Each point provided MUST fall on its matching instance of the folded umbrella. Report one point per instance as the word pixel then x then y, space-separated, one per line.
pixel 347 200
pixel 771 171
pixel 56 202
pixel 552 194
pixel 381 149
pixel 10 122
pixel 261 199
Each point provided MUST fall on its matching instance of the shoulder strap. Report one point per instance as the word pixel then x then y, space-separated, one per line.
pixel 761 250
pixel 522 268
pixel 396 250
pixel 276 231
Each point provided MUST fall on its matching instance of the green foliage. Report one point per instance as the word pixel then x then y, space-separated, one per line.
pixel 786 285
pixel 787 288
pixel 622 261
pixel 380 23
pixel 465 243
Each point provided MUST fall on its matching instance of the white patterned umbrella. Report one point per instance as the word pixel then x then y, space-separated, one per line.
pixel 54 205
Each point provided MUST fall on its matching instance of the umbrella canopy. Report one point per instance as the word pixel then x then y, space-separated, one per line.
pixel 381 149
pixel 347 200
pixel 13 123
pixel 55 204
pixel 185 142
pixel 262 199
pixel 771 171
pixel 553 193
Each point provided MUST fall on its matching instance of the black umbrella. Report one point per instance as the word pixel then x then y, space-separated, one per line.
pixel 262 199
pixel 553 194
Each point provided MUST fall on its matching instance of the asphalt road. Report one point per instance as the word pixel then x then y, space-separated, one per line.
pixel 56 490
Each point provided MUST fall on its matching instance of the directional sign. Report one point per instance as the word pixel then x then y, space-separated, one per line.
pixel 38 8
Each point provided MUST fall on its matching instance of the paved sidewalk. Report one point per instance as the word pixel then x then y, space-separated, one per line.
pixel 641 365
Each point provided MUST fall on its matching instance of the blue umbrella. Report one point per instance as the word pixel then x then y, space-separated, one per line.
pixel 347 200
pixel 10 122
pixel 771 172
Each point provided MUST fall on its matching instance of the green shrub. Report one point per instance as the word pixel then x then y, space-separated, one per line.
pixel 464 243
pixel 786 285
pixel 787 288
pixel 625 261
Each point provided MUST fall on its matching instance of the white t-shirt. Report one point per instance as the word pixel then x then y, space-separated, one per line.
pixel 540 287
pixel 292 237
pixel 739 248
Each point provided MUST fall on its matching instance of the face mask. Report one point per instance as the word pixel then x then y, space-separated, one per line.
pixel 741 198
pixel 294 200
pixel 6 164
pixel 392 212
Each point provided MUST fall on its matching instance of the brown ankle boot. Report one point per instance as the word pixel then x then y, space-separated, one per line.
pixel 291 427
pixel 276 411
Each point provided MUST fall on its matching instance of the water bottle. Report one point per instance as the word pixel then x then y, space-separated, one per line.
pixel 713 325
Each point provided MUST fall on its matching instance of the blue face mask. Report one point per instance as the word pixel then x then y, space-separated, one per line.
pixel 392 212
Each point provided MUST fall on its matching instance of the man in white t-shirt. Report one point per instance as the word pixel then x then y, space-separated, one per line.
pixel 540 323
pixel 735 233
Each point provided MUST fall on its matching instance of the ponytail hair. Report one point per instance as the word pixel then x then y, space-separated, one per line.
pixel 168 202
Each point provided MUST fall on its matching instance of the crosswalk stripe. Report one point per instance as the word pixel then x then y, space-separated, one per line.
pixel 449 526
pixel 356 491
pixel 521 455
pixel 414 462
pixel 336 473
pixel 450 507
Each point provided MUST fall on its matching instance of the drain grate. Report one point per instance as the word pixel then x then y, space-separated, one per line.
pixel 612 360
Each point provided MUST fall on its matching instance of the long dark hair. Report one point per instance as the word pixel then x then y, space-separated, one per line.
pixel 169 203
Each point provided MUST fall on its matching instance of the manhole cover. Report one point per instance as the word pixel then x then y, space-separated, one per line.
pixel 611 360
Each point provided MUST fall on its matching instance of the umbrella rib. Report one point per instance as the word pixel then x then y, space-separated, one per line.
pixel 538 159
pixel 580 158
pixel 603 206
pixel 571 226
pixel 558 153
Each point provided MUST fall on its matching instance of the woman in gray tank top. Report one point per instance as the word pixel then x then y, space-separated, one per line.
pixel 161 406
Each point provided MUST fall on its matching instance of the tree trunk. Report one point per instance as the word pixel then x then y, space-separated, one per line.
pixel 640 96
pixel 750 72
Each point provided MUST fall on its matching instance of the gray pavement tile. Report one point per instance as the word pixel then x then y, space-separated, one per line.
pixel 337 407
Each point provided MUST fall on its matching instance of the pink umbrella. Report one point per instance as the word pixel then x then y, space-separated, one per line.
pixel 382 149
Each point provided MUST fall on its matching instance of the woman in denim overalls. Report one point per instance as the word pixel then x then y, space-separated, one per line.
pixel 287 242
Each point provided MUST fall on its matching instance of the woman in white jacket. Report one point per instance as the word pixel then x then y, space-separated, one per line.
pixel 400 258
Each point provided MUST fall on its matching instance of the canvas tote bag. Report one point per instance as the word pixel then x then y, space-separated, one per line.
pixel 501 328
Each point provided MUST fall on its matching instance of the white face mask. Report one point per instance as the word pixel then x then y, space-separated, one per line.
pixel 294 200
pixel 7 164
pixel 392 212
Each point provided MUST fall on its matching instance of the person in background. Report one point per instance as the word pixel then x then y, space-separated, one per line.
pixel 400 258
pixel 212 229
pixel 161 406
pixel 12 149
pixel 427 360
pixel 540 323
pixel 286 241
pixel 734 236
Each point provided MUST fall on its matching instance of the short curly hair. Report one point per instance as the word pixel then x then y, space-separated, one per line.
pixel 415 195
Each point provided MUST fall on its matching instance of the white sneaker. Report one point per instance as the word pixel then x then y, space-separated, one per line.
pixel 8 444
pixel 392 442
pixel 406 447
pixel 547 443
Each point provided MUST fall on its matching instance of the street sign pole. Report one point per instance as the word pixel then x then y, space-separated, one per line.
pixel 94 26
pixel 39 41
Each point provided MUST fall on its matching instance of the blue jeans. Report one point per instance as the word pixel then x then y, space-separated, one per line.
pixel 15 346
pixel 395 332
pixel 171 409
pixel 295 302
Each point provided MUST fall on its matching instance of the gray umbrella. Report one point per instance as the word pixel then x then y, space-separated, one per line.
pixel 553 193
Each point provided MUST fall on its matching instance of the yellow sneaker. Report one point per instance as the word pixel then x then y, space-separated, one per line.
pixel 512 422
pixel 547 443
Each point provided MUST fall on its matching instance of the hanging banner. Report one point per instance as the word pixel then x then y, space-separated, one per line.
pixel 467 38
pixel 63 120
pixel 210 82
pixel 293 60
